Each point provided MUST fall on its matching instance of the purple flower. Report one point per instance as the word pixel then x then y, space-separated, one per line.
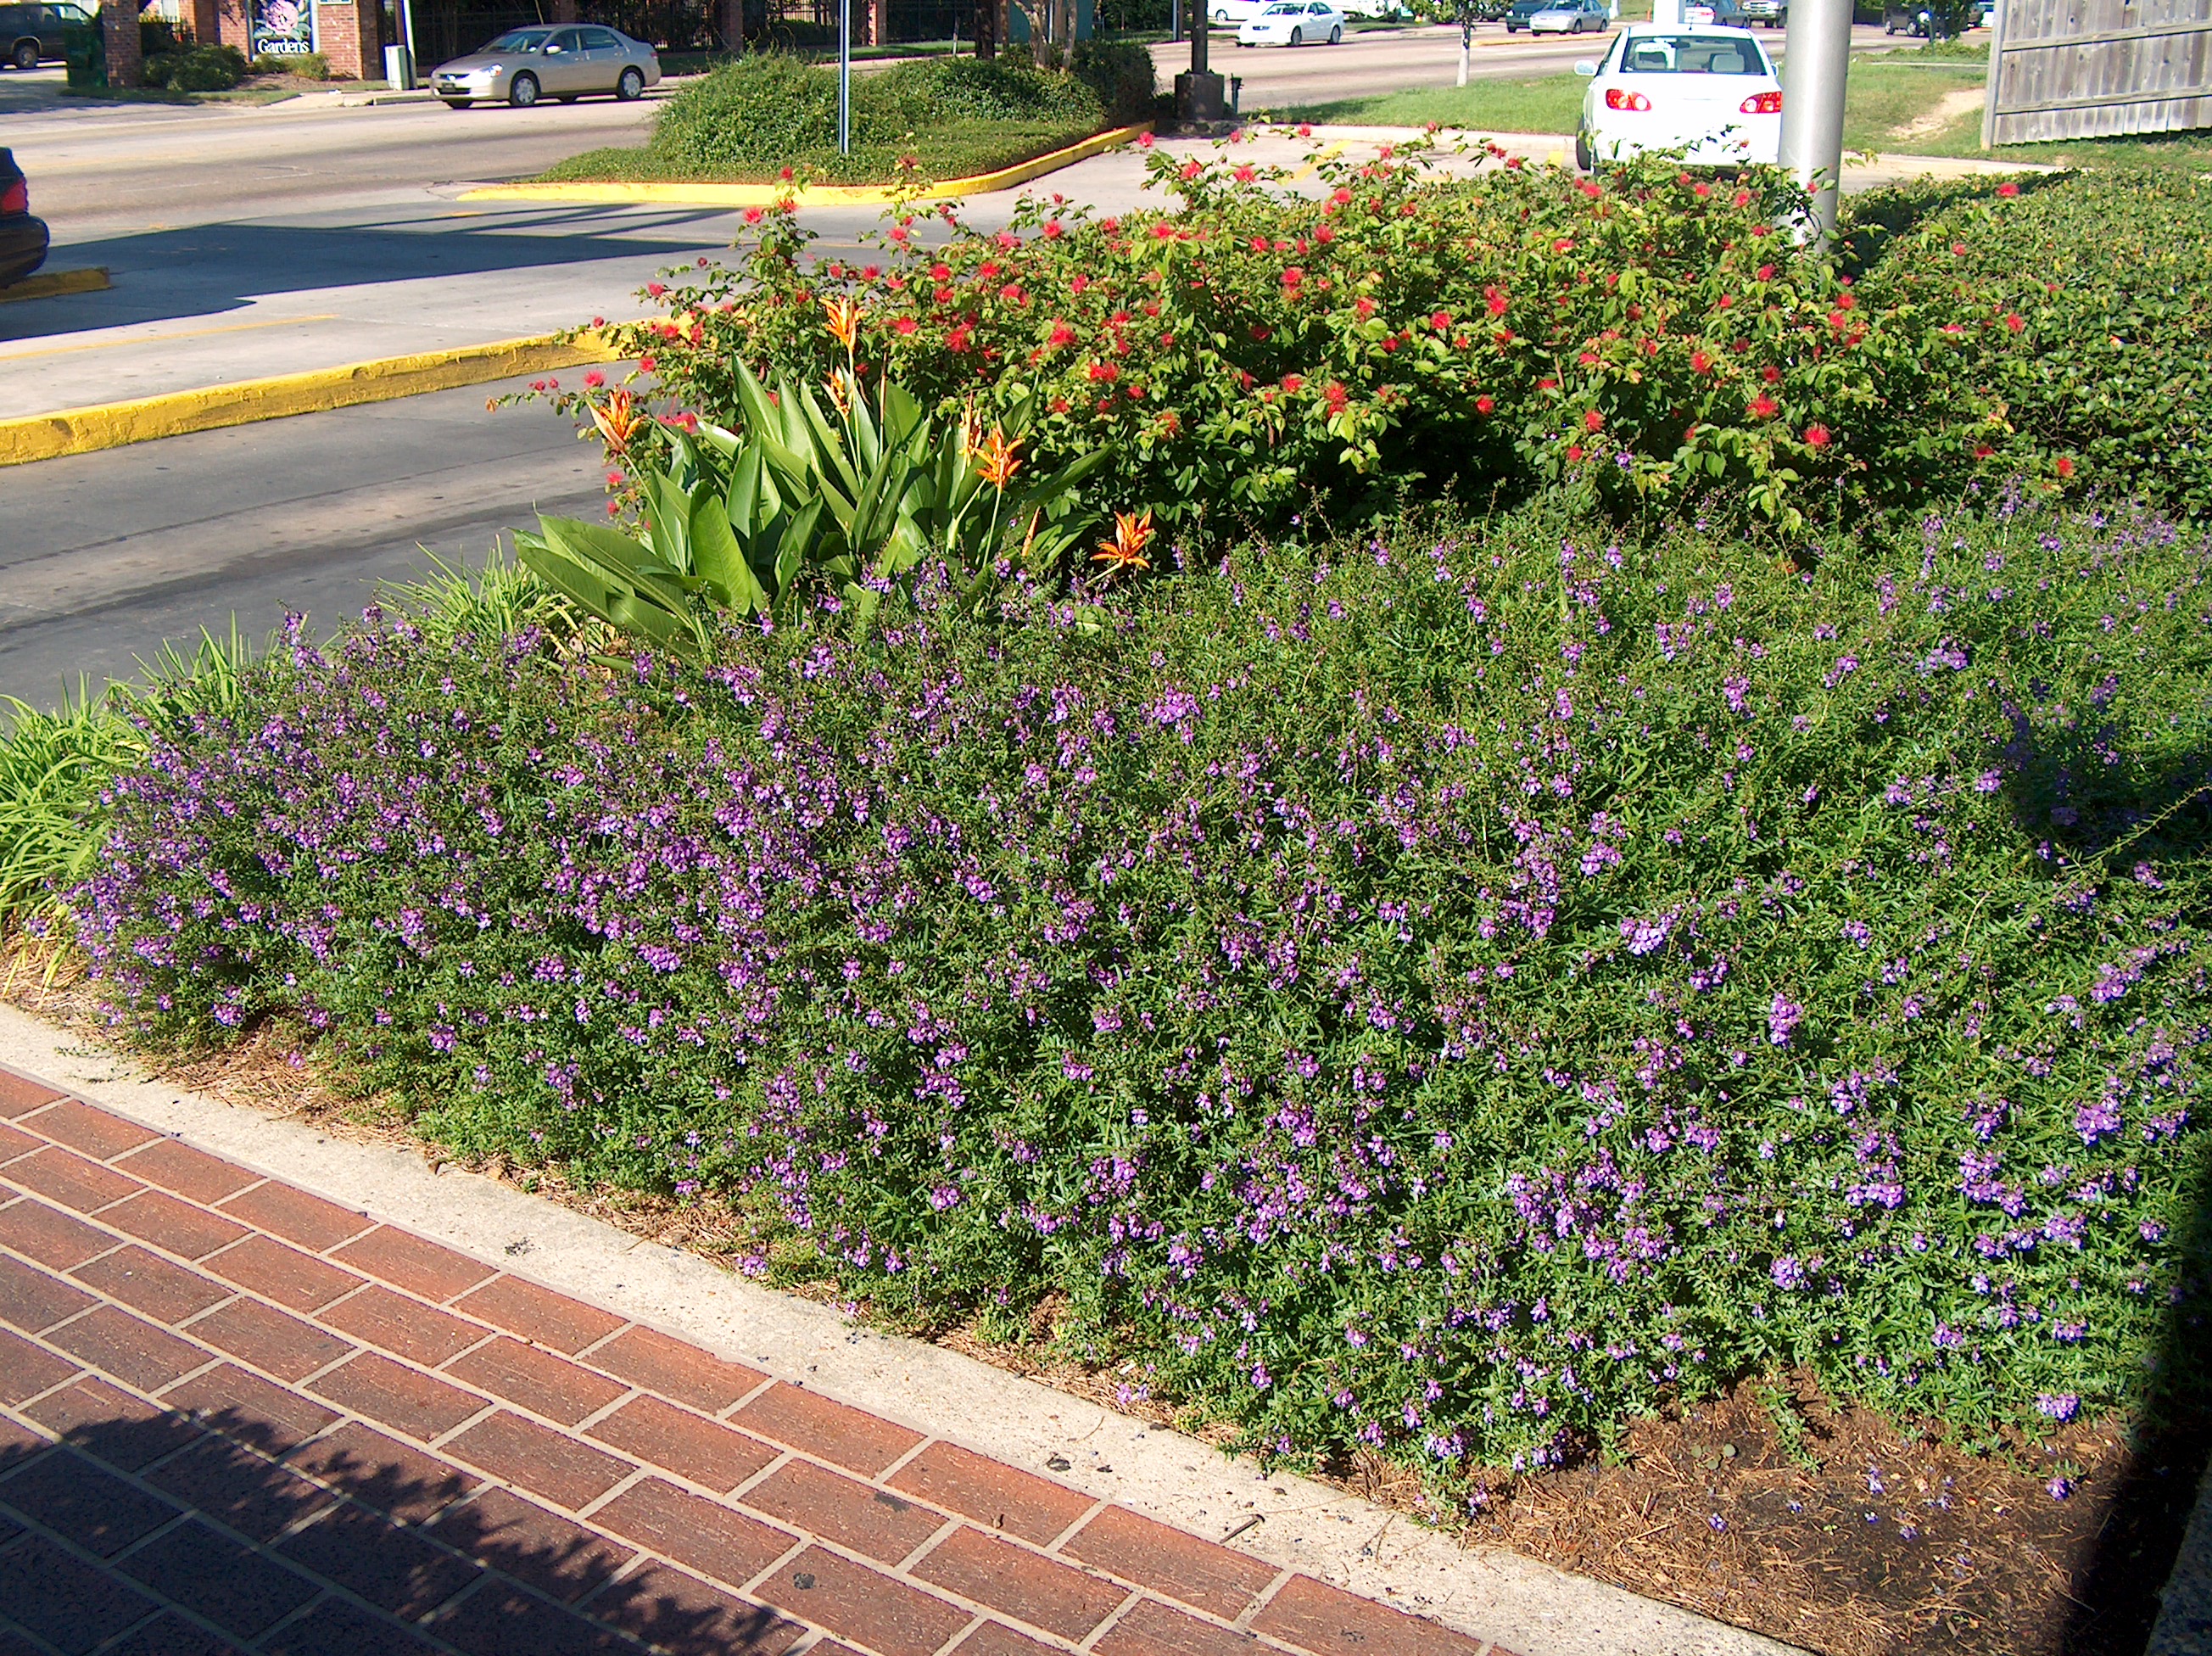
pixel 1782 1019
pixel 1788 1273
pixel 2062 1407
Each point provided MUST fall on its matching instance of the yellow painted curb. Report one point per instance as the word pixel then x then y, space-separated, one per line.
pixel 818 195
pixel 49 284
pixel 80 430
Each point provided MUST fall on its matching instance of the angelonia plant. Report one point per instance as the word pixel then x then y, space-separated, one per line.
pixel 1442 991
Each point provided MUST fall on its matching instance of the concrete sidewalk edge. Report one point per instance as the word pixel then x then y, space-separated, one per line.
pixel 818 195
pixel 1528 1607
pixel 110 425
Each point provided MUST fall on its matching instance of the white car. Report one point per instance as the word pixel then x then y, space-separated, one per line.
pixel 1572 17
pixel 1709 93
pixel 1227 14
pixel 1293 23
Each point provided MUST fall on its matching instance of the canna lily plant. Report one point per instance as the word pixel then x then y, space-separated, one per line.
pixel 854 499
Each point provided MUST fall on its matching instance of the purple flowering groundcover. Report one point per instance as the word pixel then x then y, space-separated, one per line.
pixel 1446 993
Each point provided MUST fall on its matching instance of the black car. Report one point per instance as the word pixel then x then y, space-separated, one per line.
pixel 23 238
pixel 31 34
pixel 1516 18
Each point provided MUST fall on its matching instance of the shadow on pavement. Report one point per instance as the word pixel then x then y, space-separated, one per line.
pixel 179 1534
pixel 211 268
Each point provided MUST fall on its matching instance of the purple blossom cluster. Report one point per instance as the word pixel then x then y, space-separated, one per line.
pixel 1367 991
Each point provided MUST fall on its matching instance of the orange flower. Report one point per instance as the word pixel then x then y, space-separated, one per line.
pixel 842 317
pixel 1000 459
pixel 618 419
pixel 1132 534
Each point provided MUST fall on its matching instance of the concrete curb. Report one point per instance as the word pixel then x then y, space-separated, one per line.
pixel 2184 1617
pixel 110 425
pixel 1527 1607
pixel 51 284
pixel 819 195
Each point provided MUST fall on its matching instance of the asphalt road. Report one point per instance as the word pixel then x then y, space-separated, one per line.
pixel 106 555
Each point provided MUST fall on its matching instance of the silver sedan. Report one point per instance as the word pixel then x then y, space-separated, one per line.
pixel 563 61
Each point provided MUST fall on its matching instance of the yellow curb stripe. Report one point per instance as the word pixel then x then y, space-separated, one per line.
pixel 819 195
pixel 50 285
pixel 80 430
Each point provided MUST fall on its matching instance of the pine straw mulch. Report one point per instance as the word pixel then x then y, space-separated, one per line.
pixel 1827 1528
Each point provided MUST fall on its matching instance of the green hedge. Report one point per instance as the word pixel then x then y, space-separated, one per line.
pixel 768 110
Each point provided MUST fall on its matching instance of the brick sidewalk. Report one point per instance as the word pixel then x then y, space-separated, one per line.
pixel 233 1415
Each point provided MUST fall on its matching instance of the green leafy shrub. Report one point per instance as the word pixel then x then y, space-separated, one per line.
pixel 1121 73
pixel 1442 992
pixel 768 110
pixel 307 65
pixel 196 68
pixel 1650 339
pixel 2086 306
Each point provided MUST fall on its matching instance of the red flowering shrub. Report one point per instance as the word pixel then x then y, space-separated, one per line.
pixel 1647 336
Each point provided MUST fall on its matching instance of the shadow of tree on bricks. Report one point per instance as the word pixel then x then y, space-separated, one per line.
pixel 150 1532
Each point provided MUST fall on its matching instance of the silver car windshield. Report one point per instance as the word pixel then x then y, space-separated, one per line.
pixel 520 40
pixel 1689 54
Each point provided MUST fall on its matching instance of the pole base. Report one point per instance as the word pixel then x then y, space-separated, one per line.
pixel 1200 98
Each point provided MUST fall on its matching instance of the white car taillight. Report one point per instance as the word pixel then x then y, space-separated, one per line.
pixel 1761 103
pixel 1618 98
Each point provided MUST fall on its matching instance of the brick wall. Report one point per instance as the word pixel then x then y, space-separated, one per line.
pixel 120 19
pixel 350 35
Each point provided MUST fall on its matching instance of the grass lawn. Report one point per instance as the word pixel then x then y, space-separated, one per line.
pixel 962 152
pixel 1916 102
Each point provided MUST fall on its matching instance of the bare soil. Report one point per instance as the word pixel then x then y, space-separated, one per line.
pixel 1829 1528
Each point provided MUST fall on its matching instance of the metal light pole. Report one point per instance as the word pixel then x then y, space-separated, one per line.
pixel 1818 48
pixel 845 76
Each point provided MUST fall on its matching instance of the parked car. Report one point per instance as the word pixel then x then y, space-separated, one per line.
pixel 1571 17
pixel 1724 13
pixel 1293 23
pixel 1231 14
pixel 32 34
pixel 1767 14
pixel 23 238
pixel 1517 16
pixel 1710 93
pixel 525 65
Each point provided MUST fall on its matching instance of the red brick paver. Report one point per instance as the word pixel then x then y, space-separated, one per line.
pixel 234 1415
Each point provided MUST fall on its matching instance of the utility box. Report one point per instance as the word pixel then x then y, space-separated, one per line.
pixel 399 67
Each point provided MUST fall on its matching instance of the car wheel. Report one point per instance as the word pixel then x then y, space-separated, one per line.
pixel 1583 159
pixel 458 103
pixel 1221 19
pixel 1336 35
pixel 524 92
pixel 27 55
pixel 631 87
pixel 1297 37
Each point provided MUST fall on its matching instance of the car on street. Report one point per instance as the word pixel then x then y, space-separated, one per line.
pixel 1293 23
pixel 1727 13
pixel 1230 13
pixel 525 65
pixel 1571 17
pixel 1710 93
pixel 32 34
pixel 23 238
pixel 1518 13
pixel 1767 14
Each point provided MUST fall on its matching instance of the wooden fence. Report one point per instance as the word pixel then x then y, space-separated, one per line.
pixel 2079 69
